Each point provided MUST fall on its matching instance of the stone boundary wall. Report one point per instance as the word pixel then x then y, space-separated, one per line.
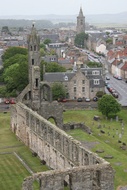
pixel 60 151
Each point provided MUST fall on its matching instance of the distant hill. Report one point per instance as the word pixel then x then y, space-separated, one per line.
pixel 92 19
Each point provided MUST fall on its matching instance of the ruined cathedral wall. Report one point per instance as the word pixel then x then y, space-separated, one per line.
pixel 52 144
pixel 59 151
pixel 97 177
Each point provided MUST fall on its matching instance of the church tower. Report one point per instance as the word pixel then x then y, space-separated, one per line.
pixel 34 68
pixel 80 22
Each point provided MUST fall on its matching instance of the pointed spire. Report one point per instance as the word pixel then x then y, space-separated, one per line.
pixel 81 12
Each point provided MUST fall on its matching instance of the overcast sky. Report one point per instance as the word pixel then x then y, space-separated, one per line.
pixel 61 7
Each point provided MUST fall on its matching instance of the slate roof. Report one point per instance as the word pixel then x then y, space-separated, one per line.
pixel 58 77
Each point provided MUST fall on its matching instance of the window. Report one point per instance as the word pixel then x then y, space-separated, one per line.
pixel 83 89
pixel 83 81
pixel 95 72
pixel 74 89
pixel 36 82
pixel 32 61
pixel 30 48
pixel 66 78
pixel 74 82
pixel 35 48
pixel 96 81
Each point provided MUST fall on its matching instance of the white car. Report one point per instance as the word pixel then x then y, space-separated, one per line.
pixel 107 78
pixel 87 99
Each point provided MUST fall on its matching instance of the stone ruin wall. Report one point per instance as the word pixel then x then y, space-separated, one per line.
pixel 81 168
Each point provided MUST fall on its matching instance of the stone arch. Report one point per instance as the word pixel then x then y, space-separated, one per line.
pixel 46 92
pixel 53 118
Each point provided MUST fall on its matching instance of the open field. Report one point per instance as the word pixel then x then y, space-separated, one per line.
pixel 12 171
pixel 114 131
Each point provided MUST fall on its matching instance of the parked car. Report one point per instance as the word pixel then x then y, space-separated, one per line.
pixel 12 101
pixel 115 76
pixel 115 95
pixel 87 99
pixel 95 99
pixel 107 78
pixel 113 91
pixel 6 101
pixel 119 78
pixel 79 100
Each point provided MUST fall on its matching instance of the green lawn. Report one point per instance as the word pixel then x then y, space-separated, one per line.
pixel 109 143
pixel 12 172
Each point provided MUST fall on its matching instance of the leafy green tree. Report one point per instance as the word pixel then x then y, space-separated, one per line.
pixel 12 51
pixel 99 94
pixel 109 41
pixel 94 64
pixel 54 67
pixel 80 39
pixel 47 41
pixel 43 46
pixel 16 77
pixel 58 91
pixel 17 58
pixel 108 105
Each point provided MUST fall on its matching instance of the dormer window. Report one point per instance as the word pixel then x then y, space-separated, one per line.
pixel 66 78
pixel 95 72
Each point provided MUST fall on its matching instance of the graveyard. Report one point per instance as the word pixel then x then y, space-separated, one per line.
pixel 107 138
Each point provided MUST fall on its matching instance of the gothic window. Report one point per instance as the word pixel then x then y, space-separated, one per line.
pixel 35 48
pixel 32 61
pixel 36 82
pixel 31 48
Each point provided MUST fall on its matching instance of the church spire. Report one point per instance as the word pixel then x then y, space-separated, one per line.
pixel 80 22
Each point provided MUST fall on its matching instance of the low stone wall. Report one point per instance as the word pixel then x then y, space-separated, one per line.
pixel 59 151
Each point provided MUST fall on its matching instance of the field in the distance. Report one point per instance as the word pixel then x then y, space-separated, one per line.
pixel 107 141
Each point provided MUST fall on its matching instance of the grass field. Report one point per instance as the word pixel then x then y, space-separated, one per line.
pixel 12 172
pixel 107 141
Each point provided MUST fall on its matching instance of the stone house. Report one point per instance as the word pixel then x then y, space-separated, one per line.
pixel 96 43
pixel 117 60
pixel 50 58
pixel 84 83
pixel 120 40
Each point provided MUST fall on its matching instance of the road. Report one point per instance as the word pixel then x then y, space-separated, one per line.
pixel 121 87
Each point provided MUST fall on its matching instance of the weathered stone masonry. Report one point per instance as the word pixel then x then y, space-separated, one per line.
pixel 82 169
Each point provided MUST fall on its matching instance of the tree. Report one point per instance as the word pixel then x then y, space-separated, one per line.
pixel 16 77
pixel 47 41
pixel 80 39
pixel 14 59
pixel 12 51
pixel 94 64
pixel 108 105
pixel 58 91
pixel 54 67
